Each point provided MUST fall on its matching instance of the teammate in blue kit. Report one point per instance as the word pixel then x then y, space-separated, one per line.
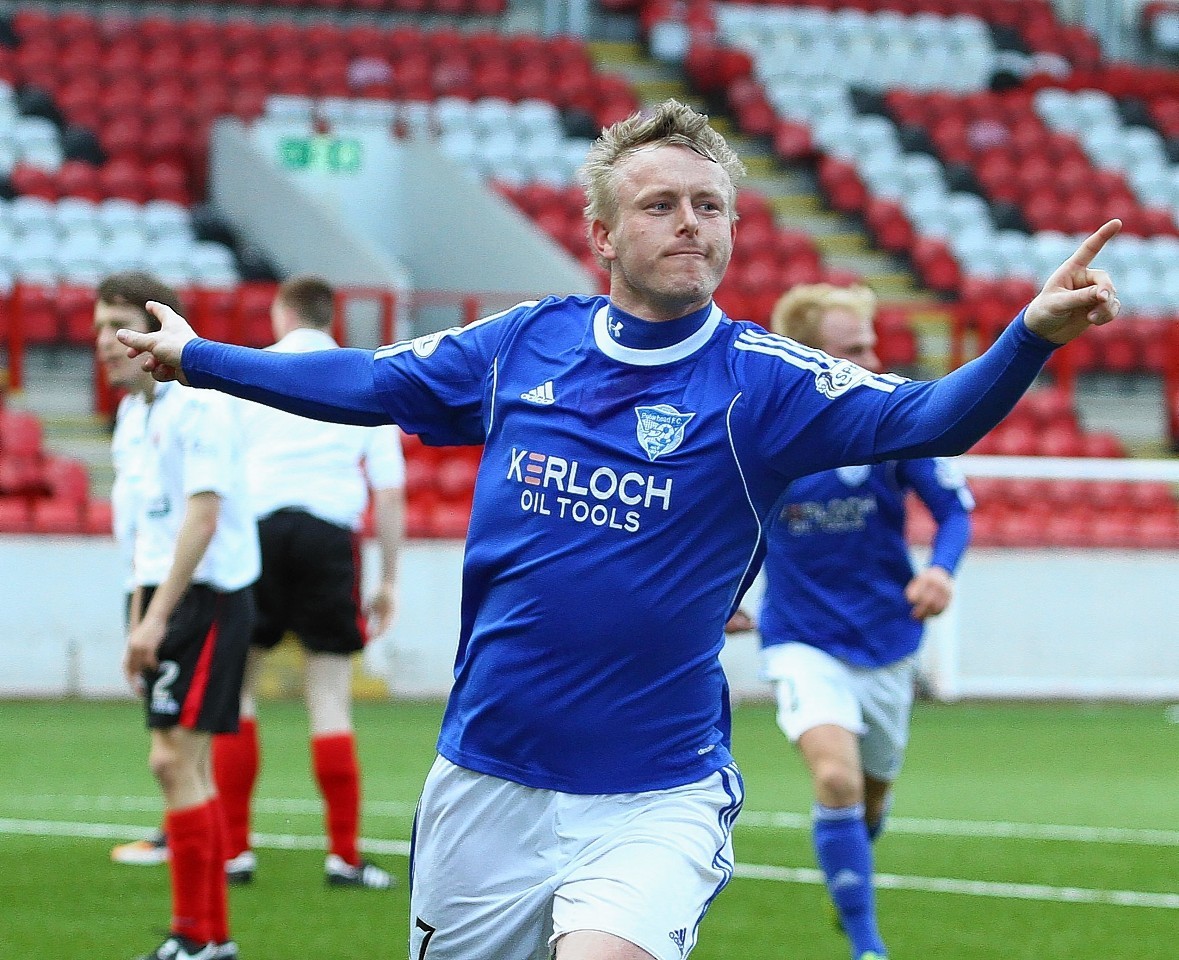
pixel 843 615
pixel 634 446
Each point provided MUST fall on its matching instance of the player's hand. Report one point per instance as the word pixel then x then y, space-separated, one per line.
pixel 739 622
pixel 930 592
pixel 380 609
pixel 143 643
pixel 160 351
pixel 1076 296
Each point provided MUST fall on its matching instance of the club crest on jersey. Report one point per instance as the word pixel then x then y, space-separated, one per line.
pixel 853 476
pixel 661 429
pixel 842 376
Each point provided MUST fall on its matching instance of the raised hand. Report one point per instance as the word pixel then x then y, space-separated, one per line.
pixel 1076 296
pixel 160 350
pixel 929 592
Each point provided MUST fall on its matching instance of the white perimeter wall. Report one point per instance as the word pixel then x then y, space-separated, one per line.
pixel 1026 623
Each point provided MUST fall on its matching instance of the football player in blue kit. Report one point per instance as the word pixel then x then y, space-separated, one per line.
pixel 584 794
pixel 843 614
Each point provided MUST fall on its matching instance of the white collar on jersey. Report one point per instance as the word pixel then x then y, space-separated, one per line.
pixel 659 356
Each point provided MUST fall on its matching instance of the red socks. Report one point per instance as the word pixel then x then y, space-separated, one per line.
pixel 236 757
pixel 333 758
pixel 218 885
pixel 191 842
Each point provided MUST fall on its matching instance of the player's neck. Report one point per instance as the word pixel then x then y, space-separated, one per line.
pixel 637 333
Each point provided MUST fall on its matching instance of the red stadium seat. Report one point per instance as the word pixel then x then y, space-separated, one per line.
pixel 1066 528
pixel 98 520
pixel 450 520
pixel 21 475
pixel 67 479
pixel 1059 440
pixel 123 179
pixel 78 179
pixel 20 434
pixel 15 515
pixel 53 515
pixel 1102 444
pixel 1156 531
pixel 455 478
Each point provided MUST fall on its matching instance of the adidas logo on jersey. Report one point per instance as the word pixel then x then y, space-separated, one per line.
pixel 542 395
pixel 679 937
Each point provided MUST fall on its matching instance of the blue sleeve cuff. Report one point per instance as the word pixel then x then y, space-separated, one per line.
pixel 1025 337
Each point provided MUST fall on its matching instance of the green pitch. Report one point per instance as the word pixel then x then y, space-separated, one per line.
pixel 1019 833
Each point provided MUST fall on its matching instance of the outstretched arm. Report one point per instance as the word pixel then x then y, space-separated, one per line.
pixel 335 385
pixel 945 417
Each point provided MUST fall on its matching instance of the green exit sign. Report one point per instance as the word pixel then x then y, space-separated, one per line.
pixel 321 153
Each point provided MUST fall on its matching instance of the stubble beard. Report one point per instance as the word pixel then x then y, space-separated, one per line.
pixel 675 296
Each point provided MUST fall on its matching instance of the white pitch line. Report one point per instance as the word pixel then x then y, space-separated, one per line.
pixel 981 828
pixel 975 888
pixel 749 871
pixel 757 819
pixel 293 805
pixel 122 831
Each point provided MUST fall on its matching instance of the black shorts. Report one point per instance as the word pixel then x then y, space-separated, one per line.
pixel 202 659
pixel 310 584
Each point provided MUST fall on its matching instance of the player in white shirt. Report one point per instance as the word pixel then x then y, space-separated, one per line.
pixel 309 486
pixel 195 559
pixel 127 443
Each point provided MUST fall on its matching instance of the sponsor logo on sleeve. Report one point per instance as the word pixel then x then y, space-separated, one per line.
pixel 424 346
pixel 842 376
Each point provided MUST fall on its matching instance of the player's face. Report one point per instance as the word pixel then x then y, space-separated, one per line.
pixel 845 334
pixel 672 235
pixel 120 370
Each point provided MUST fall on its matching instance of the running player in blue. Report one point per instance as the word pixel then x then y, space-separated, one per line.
pixel 843 615
pixel 584 794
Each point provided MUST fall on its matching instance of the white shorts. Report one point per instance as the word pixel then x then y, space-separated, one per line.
pixel 815 688
pixel 501 871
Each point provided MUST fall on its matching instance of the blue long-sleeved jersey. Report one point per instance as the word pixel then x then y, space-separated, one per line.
pixel 628 471
pixel 837 563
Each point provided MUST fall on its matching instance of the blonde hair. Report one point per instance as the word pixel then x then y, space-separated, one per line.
pixel 670 123
pixel 801 309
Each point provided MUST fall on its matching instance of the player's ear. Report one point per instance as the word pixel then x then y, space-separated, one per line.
pixel 601 238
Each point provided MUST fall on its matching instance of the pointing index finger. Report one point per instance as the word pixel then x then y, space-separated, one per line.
pixel 1094 243
pixel 159 310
